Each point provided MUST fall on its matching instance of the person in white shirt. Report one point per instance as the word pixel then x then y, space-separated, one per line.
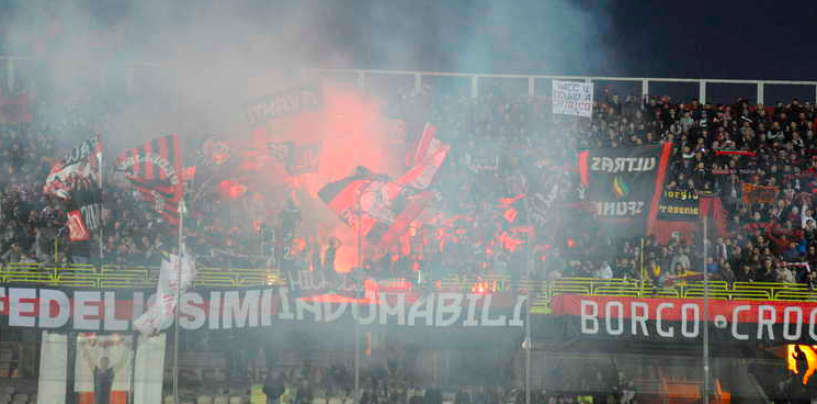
pixel 605 271
pixel 806 214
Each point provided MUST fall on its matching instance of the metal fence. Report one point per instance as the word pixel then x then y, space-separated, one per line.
pixel 534 85
pixel 132 77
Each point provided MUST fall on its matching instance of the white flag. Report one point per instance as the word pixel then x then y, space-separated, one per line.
pixel 160 315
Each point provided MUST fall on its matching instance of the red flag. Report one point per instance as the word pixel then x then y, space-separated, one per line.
pixel 154 169
pixel 427 160
pixel 384 209
pixel 81 162
pixel 77 231
pixel 380 210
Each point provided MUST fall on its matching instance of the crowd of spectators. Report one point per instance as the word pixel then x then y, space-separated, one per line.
pixel 507 146
pixel 503 148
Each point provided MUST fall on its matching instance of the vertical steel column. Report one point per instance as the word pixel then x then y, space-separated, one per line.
pixel 645 88
pixel 705 398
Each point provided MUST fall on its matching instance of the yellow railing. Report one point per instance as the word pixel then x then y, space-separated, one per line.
pixel 88 276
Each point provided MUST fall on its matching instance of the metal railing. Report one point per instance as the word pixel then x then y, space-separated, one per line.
pixel 105 277
pixel 645 82
pixel 14 66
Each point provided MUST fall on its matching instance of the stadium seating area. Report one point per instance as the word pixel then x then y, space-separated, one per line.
pixel 14 395
pixel 502 147
pixel 717 149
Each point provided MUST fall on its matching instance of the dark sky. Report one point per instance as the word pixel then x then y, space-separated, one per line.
pixel 746 39
pixel 717 39
pixel 691 38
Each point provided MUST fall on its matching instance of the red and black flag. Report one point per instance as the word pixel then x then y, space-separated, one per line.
pixel 380 210
pixel 81 162
pixel 384 208
pixel 427 160
pixel 345 197
pixel 77 178
pixel 624 185
pixel 154 169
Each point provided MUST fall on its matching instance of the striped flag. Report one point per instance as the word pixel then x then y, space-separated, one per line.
pixel 381 211
pixel 81 162
pixel 154 169
pixel 77 178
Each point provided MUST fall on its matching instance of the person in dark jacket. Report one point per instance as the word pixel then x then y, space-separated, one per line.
pixel 273 388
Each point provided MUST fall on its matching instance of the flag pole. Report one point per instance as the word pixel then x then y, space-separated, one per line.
pixel 528 344
pixel 182 211
pixel 705 398
pixel 101 224
pixel 357 319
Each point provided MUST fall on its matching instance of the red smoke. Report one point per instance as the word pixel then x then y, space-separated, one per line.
pixel 350 127
pixel 353 132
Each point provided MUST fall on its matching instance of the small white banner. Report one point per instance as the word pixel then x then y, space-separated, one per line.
pixel 573 98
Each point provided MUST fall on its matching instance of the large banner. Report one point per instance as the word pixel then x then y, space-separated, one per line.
pixel 113 310
pixel 679 206
pixel 316 283
pixel 679 320
pixel 284 103
pixel 624 185
pixel 573 98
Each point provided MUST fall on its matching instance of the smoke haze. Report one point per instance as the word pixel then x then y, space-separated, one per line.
pixel 199 62
pixel 209 57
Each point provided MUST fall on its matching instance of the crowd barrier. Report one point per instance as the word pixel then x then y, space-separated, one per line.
pixel 106 277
